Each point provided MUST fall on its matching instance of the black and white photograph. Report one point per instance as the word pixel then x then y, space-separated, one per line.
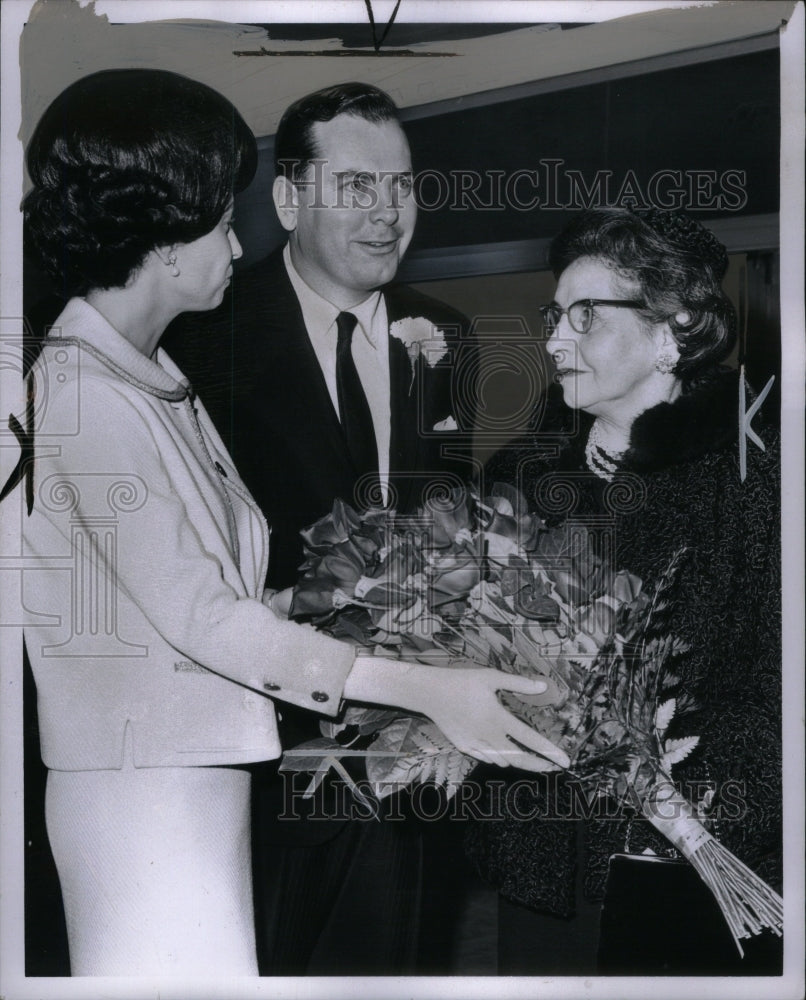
pixel 401 499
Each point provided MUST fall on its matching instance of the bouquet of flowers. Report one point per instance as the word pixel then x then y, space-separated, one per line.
pixel 479 581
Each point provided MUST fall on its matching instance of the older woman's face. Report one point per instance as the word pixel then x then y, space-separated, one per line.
pixel 610 370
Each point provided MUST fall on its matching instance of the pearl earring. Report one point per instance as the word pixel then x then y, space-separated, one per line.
pixel 172 261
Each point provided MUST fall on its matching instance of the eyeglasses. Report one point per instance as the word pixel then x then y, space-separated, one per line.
pixel 580 314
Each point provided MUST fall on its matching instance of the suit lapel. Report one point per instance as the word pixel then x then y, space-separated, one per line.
pixel 298 402
pixel 302 393
pixel 404 438
pixel 407 440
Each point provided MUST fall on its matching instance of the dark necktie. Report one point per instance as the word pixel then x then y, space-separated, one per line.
pixel 356 419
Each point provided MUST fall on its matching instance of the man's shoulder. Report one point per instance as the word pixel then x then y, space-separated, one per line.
pixel 260 298
pixel 263 279
pixel 403 302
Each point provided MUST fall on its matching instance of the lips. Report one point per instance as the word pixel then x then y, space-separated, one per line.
pixel 379 246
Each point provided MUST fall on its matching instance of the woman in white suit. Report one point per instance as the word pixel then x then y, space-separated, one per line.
pixel 157 660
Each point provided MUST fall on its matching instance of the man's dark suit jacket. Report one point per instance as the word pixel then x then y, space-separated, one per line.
pixel 252 365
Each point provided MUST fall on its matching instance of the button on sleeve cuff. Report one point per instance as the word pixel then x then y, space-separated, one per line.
pixel 308 669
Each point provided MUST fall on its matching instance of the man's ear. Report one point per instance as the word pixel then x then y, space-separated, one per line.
pixel 286 202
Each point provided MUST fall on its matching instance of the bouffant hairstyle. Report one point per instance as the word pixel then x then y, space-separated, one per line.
pixel 125 161
pixel 294 145
pixel 678 266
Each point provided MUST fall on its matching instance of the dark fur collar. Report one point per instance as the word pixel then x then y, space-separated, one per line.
pixel 702 420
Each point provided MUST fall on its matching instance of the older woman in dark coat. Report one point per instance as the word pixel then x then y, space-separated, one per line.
pixel 645 448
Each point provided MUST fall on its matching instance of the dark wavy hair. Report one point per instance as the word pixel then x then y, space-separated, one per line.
pixel 294 145
pixel 678 265
pixel 124 161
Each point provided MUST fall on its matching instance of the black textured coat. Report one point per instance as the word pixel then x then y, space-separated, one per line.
pixel 680 486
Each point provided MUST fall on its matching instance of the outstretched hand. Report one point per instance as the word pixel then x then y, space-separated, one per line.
pixel 464 704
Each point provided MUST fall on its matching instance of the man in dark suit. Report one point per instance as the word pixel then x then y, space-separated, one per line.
pixel 325 381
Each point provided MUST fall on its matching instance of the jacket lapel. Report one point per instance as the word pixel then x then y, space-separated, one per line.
pixel 301 397
pixel 405 390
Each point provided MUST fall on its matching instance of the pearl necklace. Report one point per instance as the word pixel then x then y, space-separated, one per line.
pixel 601 463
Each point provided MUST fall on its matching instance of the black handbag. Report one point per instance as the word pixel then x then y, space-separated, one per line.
pixel 660 919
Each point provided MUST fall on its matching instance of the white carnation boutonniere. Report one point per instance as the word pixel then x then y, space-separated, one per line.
pixel 421 339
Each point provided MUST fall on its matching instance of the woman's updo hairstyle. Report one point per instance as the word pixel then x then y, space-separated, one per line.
pixel 125 161
pixel 678 265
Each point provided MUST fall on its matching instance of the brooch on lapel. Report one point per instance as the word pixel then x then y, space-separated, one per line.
pixel 421 339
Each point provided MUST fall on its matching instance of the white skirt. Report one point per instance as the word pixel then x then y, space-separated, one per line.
pixel 155 870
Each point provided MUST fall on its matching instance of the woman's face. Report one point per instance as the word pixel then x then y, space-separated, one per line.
pixel 205 266
pixel 610 370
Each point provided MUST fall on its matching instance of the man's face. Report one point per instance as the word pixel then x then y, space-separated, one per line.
pixel 356 212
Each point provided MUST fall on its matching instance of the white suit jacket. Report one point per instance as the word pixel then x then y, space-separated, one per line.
pixel 145 562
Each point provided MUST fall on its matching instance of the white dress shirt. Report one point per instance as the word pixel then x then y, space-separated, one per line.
pixel 370 350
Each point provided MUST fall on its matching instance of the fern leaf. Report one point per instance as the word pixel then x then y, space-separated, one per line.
pixel 677 750
pixel 664 715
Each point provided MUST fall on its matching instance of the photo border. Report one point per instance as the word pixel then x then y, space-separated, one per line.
pixel 14 985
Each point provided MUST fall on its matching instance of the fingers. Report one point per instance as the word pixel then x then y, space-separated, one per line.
pixel 518 684
pixel 515 745
pixel 528 739
pixel 530 762
pixel 485 752
pixel 500 738
pixel 494 757
pixel 521 734
pixel 509 756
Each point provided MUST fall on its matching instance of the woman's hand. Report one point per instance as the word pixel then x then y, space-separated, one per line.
pixel 464 703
